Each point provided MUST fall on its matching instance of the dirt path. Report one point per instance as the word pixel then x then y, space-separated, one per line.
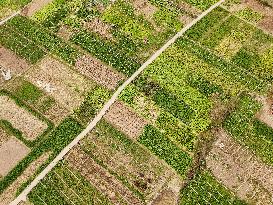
pixel 34 6
pixel 23 195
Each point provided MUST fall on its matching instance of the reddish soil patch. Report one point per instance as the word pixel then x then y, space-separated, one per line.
pixel 266 112
pixel 100 27
pixel 10 61
pixel 11 152
pixel 10 193
pixel 98 72
pixel 267 24
pixel 240 170
pixel 126 120
pixel 101 178
pixel 35 6
pixel 21 119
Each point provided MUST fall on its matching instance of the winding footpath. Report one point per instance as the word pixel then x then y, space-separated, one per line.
pixel 23 195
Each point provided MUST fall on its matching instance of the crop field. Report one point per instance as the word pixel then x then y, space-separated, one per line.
pixel 195 126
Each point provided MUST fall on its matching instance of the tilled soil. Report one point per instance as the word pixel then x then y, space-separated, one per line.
pixel 35 6
pixel 21 119
pixel 98 72
pixel 125 119
pixel 101 178
pixel 10 193
pixel 266 113
pixel 66 86
pixel 241 171
pixel 10 61
pixel 11 152
pixel 98 26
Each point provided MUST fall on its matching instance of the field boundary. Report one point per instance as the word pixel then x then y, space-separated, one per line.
pixel 93 123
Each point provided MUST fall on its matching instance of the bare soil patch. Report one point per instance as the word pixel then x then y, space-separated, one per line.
pixel 125 119
pixel 57 113
pixel 267 23
pixel 240 170
pixel 65 33
pixel 66 86
pixel 10 61
pixel 187 8
pixel 10 193
pixel 99 72
pixel 35 6
pixel 101 178
pixel 145 8
pixel 21 119
pixel 266 112
pixel 11 152
pixel 100 27
pixel 166 197
pixel 4 137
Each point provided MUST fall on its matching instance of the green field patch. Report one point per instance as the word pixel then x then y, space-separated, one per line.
pixel 204 189
pixel 244 127
pixel 250 15
pixel 165 149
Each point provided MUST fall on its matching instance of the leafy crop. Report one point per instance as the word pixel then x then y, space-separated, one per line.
pixel 164 148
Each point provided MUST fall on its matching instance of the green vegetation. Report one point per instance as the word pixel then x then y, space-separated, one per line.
pixel 204 189
pixel 161 146
pixel 250 15
pixel 56 188
pixel 245 128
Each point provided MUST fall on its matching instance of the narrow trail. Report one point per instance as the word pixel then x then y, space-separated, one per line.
pixel 93 123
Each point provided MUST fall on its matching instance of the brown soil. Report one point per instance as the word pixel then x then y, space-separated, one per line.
pixel 100 27
pixel 240 170
pixel 35 6
pixel 21 119
pixel 10 193
pixel 266 112
pixel 126 120
pixel 8 60
pixel 267 24
pixel 166 197
pixel 145 8
pixel 98 72
pixel 4 137
pixel 56 113
pixel 11 152
pixel 189 9
pixel 67 87
pixel 101 178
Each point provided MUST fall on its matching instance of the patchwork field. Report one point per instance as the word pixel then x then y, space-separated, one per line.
pixel 194 127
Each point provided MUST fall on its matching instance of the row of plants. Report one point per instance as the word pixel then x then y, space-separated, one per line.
pixel 165 149
pixel 20 45
pixel 249 131
pixel 43 38
pixel 205 189
pixel 235 73
pixel 63 185
pixel 54 142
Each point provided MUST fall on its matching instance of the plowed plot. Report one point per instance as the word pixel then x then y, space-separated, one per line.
pixel 240 171
pixel 98 26
pixel 21 119
pixel 99 176
pixel 34 6
pixel 63 84
pixel 11 152
pixel 167 197
pixel 145 174
pixel 9 61
pixel 126 120
pixel 10 193
pixel 266 113
pixel 98 72
pixel 145 8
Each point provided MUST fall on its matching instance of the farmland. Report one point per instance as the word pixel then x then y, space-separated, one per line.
pixel 136 102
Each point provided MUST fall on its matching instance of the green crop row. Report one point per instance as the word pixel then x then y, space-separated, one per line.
pixel 93 102
pixel 165 149
pixel 43 38
pixel 63 185
pixel 20 45
pixel 204 189
pixel 106 51
pixel 249 131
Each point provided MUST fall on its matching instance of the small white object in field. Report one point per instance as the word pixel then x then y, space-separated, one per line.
pixel 221 145
pixel 46 86
pixel 6 74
